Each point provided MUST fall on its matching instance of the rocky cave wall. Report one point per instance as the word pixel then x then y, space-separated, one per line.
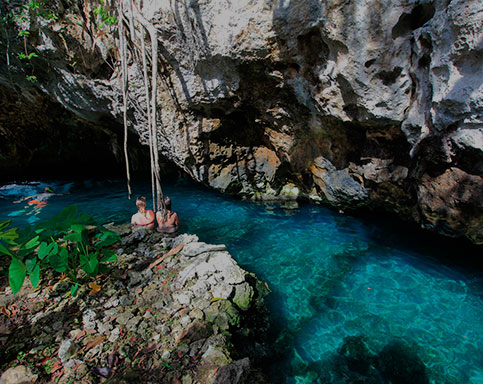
pixel 357 104
pixel 59 125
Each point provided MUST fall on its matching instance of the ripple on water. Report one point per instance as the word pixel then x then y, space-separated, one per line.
pixel 332 276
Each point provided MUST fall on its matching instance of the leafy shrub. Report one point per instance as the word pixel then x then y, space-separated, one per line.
pixel 66 244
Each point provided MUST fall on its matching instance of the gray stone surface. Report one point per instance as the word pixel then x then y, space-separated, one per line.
pixel 66 350
pixel 319 79
pixel 197 248
pixel 18 375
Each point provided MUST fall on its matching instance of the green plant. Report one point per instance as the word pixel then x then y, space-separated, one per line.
pixel 104 15
pixel 62 244
pixel 21 356
pixel 49 365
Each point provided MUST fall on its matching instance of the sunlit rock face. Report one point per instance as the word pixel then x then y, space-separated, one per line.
pixel 358 104
pixel 362 103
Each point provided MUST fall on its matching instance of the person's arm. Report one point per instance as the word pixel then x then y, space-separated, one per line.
pixel 150 217
pixel 176 220
pixel 133 221
pixel 23 199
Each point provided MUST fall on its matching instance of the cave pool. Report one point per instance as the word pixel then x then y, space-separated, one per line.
pixel 331 275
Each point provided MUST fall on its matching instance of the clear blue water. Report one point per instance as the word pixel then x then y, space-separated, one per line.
pixel 332 275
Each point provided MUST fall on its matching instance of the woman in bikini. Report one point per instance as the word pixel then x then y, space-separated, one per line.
pixel 168 221
pixel 144 218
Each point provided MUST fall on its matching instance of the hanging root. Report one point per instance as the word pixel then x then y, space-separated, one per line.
pixel 122 40
pixel 152 101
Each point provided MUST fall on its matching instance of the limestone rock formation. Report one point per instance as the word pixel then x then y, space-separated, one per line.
pixel 171 310
pixel 368 103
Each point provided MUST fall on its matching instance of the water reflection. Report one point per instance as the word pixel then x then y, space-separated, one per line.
pixel 348 293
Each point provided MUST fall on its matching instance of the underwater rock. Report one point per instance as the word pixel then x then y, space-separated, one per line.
pixel 357 354
pixel 400 364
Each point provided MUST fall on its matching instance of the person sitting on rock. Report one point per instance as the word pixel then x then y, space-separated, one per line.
pixel 168 221
pixel 144 218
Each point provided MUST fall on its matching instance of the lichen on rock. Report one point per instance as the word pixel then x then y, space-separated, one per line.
pixel 159 321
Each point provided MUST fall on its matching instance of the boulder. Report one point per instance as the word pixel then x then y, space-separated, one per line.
pixel 18 375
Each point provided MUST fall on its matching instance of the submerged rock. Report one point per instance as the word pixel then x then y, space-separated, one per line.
pixel 400 364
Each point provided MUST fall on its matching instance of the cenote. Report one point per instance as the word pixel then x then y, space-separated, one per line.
pixel 334 278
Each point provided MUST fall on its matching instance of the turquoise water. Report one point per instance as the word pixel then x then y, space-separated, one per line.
pixel 332 276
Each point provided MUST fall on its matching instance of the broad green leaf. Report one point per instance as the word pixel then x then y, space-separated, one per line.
pixel 10 235
pixel 30 264
pixel 45 249
pixel 78 227
pixel 74 236
pixel 23 253
pixel 108 238
pixel 83 259
pixel 74 289
pixel 59 261
pixel 91 267
pixel 16 274
pixel 84 218
pixel 5 224
pixel 35 276
pixel 108 256
pixel 4 250
pixel 32 243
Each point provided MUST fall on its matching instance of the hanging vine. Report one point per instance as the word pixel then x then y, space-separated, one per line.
pixel 130 15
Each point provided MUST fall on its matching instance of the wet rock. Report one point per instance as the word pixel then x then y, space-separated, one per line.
pixel 195 331
pixel 214 355
pixel 18 375
pixel 357 354
pixel 243 296
pixel 233 373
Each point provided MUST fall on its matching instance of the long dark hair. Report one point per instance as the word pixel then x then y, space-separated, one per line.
pixel 167 204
